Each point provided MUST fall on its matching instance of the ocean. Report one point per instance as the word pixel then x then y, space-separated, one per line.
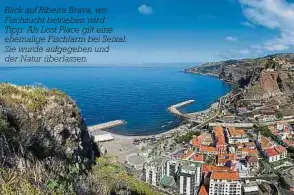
pixel 140 94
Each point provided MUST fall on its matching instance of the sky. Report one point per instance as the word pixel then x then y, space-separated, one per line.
pixel 187 31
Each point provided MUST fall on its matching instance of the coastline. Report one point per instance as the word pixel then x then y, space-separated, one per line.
pixel 211 75
pixel 174 110
pixel 123 147
pixel 179 129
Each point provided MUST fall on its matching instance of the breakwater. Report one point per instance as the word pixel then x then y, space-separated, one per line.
pixel 174 109
pixel 107 125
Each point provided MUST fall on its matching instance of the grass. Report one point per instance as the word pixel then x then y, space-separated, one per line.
pixel 106 177
pixel 187 137
pixel 32 97
pixel 58 177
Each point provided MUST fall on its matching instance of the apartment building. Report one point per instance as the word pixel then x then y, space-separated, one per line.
pixel 225 183
pixel 190 178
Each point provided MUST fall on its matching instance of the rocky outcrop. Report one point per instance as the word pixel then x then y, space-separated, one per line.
pixel 42 123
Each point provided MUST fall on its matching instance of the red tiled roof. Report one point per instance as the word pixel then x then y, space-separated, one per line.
pixel 187 155
pixel 224 158
pixel 288 142
pixel 225 175
pixel 204 148
pixel 236 132
pixel 196 141
pixel 198 158
pixel 210 168
pixel 219 134
pixel 249 151
pixel 280 149
pixel 271 152
pixel 203 191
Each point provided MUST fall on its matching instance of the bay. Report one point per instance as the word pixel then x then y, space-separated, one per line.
pixel 140 95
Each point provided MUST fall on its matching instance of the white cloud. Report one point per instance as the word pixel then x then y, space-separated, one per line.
pixel 272 14
pixel 276 47
pixel 145 9
pixel 248 24
pixel 232 39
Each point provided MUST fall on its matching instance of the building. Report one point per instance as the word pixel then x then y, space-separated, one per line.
pixel 220 141
pixel 208 169
pixel 283 126
pixel 282 151
pixel 263 142
pixel 208 150
pixel 171 168
pixel 223 182
pixel 203 190
pixel 224 159
pixel 236 136
pixel 252 162
pixel 204 139
pixel 190 178
pixel 196 143
pixel 193 156
pixel 152 174
pixel 271 155
pixel 267 118
pixel 153 171
pixel 288 142
pixel 275 154
pixel 243 152
pixel 250 188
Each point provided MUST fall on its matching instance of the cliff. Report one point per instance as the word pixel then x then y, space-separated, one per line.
pixel 45 148
pixel 267 76
pixel 44 123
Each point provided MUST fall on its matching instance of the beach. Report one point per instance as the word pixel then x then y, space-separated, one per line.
pixel 125 148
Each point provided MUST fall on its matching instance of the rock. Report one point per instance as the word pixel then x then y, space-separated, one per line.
pixel 45 123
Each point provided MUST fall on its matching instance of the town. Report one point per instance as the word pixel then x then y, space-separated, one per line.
pixel 242 144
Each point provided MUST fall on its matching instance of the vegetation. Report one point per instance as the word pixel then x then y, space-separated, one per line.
pixel 265 131
pixel 32 161
pixel 187 137
pixel 280 115
pixel 34 97
pixel 235 88
pixel 106 177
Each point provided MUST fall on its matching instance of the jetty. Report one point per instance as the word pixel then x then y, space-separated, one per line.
pixel 107 125
pixel 174 108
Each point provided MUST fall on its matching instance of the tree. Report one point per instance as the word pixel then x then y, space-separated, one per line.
pixel 280 115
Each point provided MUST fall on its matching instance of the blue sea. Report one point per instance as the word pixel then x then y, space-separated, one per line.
pixel 140 95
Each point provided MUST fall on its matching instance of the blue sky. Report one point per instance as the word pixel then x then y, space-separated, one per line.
pixel 190 30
